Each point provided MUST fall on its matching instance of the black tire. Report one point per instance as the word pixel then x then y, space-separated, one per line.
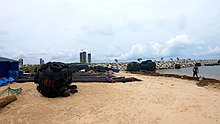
pixel 61 91
pixel 55 66
pixel 53 79
pixel 73 91
pixel 65 76
pixel 72 87
pixel 44 66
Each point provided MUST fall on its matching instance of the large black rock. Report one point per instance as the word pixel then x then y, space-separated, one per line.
pixel 133 66
pixel 53 79
pixel 147 65
pixel 198 64
pixel 177 66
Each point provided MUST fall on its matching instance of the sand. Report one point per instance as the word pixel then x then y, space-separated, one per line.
pixel 154 100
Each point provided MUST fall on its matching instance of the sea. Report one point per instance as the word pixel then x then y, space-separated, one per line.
pixel 204 71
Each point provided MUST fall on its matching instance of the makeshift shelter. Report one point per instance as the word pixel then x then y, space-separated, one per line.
pixel 8 69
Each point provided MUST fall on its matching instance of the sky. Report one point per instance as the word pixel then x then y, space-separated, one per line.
pixel 57 30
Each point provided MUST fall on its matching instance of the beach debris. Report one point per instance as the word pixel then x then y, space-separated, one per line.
pixel 102 79
pixel 24 80
pixel 54 79
pixel 9 90
pixel 201 82
pixel 7 100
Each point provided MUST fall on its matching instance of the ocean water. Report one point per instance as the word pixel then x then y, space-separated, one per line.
pixel 204 71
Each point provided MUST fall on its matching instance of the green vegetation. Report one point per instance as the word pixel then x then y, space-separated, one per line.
pixel 29 68
pixel 116 60
pixel 139 59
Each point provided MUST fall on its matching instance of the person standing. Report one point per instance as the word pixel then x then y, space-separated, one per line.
pixel 195 71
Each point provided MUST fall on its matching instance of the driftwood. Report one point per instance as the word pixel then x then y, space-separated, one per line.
pixel 7 99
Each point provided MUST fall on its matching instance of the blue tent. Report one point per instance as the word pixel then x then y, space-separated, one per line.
pixel 8 68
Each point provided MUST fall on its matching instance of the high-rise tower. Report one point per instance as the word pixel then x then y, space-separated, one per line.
pixel 83 57
pixel 41 61
pixel 89 57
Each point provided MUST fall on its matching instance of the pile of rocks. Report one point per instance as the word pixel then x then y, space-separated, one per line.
pixel 161 64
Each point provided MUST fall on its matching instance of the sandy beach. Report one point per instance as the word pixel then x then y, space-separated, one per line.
pixel 154 100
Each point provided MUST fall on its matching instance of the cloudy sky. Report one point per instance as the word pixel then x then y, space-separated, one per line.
pixel 57 30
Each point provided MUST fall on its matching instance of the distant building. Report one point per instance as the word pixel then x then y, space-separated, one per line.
pixel 89 57
pixel 41 61
pixel 83 57
pixel 21 62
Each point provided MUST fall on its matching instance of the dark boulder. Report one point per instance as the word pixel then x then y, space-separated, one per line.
pixel 146 62
pixel 148 65
pixel 198 64
pixel 133 66
pixel 177 66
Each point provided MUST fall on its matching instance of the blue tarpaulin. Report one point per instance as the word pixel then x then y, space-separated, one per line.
pixel 4 81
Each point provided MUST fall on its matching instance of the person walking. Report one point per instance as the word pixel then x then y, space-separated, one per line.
pixel 195 71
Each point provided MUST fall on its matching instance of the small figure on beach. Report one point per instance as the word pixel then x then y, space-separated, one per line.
pixel 108 76
pixel 195 71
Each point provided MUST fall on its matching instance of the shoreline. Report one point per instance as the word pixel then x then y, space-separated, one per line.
pixel 204 71
pixel 211 82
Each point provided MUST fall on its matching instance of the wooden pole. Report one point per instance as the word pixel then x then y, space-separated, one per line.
pixel 7 100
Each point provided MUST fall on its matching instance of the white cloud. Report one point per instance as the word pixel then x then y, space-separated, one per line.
pixel 180 45
pixel 136 51
pixel 171 47
pixel 180 39
pixel 210 51
pixel 20 54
